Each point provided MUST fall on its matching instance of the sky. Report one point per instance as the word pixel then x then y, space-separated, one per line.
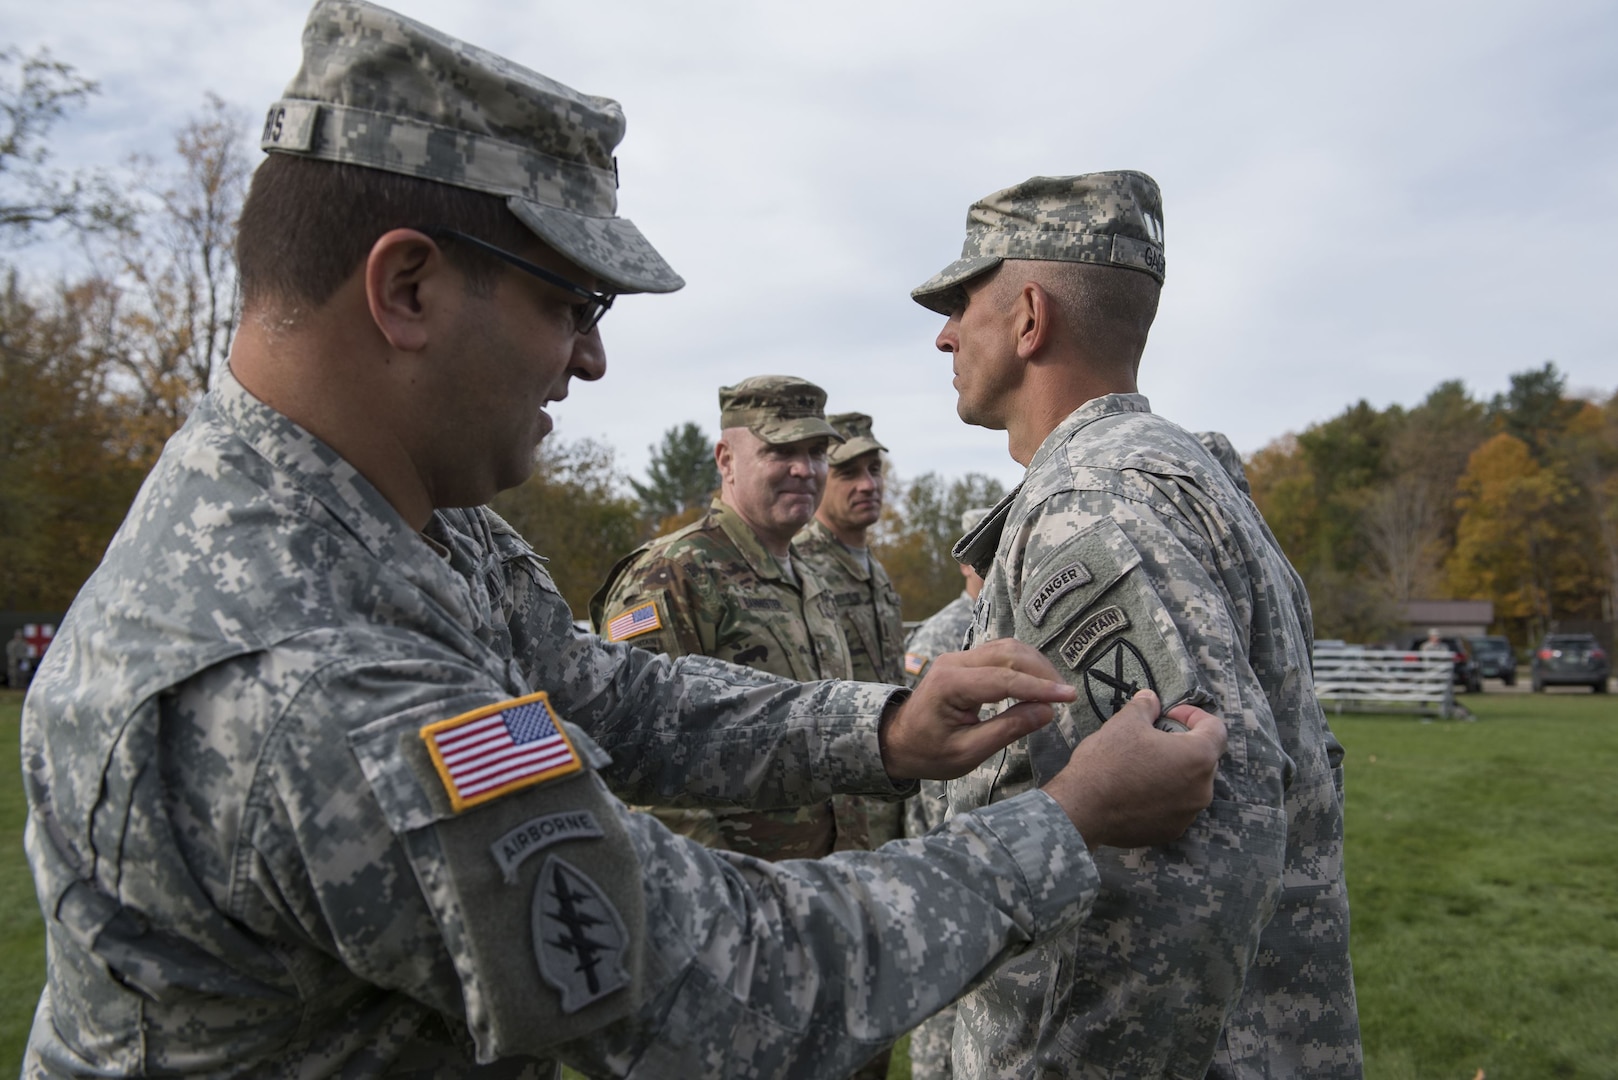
pixel 1361 201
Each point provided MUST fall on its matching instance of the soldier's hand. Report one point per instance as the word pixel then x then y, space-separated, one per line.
pixel 1130 784
pixel 936 735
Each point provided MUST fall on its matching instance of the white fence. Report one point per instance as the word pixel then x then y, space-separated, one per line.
pixel 1378 679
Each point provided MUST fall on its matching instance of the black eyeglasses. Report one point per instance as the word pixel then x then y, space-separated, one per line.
pixel 585 315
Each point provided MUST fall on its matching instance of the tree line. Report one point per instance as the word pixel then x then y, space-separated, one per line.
pixel 99 365
pixel 1512 500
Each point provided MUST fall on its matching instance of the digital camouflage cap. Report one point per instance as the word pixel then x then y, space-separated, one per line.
pixel 855 428
pixel 1106 218
pixel 379 90
pixel 776 408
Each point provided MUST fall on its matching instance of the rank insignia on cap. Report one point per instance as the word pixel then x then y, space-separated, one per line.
pixel 914 662
pixel 639 620
pixel 497 749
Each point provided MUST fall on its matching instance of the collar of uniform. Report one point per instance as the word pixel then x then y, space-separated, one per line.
pixel 327 477
pixel 747 542
pixel 817 535
pixel 1085 415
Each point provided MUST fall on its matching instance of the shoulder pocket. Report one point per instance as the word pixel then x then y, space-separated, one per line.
pixel 536 888
pixel 1070 581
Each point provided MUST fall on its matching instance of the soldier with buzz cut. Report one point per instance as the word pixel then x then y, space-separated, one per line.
pixel 319 772
pixel 733 585
pixel 1131 557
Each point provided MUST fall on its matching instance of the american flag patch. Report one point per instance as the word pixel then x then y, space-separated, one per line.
pixel 488 752
pixel 634 622
pixel 914 662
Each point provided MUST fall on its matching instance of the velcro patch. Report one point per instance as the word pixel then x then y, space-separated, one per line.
pixel 914 663
pixel 500 748
pixel 1058 585
pixel 1079 643
pixel 638 620
pixel 579 937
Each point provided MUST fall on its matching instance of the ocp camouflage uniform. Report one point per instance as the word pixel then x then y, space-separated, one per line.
pixel 868 615
pixel 1132 559
pixel 1128 556
pixel 945 631
pixel 716 591
pixel 248 861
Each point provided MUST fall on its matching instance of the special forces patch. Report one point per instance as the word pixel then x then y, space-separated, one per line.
pixel 579 937
pixel 1117 675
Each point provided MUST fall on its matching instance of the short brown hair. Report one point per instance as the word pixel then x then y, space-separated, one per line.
pixel 306 225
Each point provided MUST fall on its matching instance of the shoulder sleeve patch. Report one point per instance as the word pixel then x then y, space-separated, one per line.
pixel 638 620
pixel 915 663
pixel 500 748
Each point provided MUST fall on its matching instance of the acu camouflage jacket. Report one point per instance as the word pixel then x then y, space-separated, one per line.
pixel 1131 559
pixel 250 863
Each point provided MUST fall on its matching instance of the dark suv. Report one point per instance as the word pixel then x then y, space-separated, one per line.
pixel 1495 659
pixel 1571 659
pixel 1466 670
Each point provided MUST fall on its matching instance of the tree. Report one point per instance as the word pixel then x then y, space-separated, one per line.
pixel 32 194
pixel 919 525
pixel 571 510
pixel 1508 548
pixel 1535 409
pixel 680 478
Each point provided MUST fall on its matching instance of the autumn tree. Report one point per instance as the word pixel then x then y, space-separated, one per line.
pixel 36 91
pixel 919 525
pixel 572 510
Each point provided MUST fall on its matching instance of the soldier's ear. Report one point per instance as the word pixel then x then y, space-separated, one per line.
pixel 724 457
pixel 1034 317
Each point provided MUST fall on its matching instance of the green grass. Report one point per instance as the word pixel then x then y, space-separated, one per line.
pixel 1483 871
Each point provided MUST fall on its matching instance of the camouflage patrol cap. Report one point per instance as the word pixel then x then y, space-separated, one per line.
pixel 855 428
pixel 971 518
pixel 1106 218
pixel 386 92
pixel 777 408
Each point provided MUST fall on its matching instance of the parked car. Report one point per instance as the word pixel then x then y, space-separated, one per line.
pixel 1571 659
pixel 1466 670
pixel 1495 659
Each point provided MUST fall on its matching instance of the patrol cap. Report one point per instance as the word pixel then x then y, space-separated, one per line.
pixel 386 92
pixel 1106 218
pixel 776 408
pixel 855 428
pixel 970 519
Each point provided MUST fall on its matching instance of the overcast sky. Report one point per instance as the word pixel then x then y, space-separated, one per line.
pixel 1361 200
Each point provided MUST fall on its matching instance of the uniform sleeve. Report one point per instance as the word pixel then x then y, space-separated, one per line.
pixel 1119 597
pixel 695 731
pixel 552 921
pixel 648 602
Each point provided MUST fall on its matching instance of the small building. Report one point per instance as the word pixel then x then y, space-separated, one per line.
pixel 1452 618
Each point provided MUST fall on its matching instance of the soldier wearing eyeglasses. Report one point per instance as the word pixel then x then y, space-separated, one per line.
pixel 318 768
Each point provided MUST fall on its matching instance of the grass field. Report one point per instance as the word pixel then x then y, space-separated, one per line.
pixel 1483 870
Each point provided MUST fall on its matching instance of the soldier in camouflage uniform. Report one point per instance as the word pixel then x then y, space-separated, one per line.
pixel 1132 559
pixel 733 585
pixel 833 547
pixel 944 632
pixel 835 550
pixel 316 769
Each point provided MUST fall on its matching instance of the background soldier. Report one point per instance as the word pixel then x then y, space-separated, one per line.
pixel 944 632
pixel 834 547
pixel 1131 558
pixel 732 585
pixel 18 661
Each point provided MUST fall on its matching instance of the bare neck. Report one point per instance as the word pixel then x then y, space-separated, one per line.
pixel 848 536
pixel 317 371
pixel 1052 389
